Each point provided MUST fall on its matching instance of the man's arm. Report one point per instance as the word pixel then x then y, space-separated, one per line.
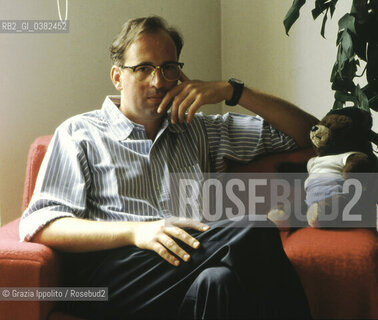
pixel 60 197
pixel 281 114
pixel 189 96
pixel 80 235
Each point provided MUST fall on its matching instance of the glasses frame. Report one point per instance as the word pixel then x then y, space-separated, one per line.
pixel 133 68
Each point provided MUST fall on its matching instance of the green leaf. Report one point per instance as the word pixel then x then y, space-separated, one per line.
pixel 344 97
pixel 322 31
pixel 316 13
pixel 358 98
pixel 334 72
pixel 332 7
pixel 337 105
pixel 362 100
pixel 345 52
pixel 350 69
pixel 360 10
pixel 320 6
pixel 347 23
pixel 293 14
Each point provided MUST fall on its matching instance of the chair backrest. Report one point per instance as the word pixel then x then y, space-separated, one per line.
pixel 268 162
pixel 36 153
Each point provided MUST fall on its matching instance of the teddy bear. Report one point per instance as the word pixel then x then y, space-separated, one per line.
pixel 342 145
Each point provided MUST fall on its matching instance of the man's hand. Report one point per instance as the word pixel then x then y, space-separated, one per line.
pixel 190 95
pixel 157 236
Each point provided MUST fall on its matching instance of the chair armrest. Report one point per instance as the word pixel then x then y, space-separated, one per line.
pixel 338 269
pixel 25 264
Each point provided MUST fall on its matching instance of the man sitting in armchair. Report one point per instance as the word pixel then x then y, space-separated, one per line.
pixel 101 193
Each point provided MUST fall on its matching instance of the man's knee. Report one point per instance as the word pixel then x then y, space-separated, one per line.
pixel 216 293
pixel 216 276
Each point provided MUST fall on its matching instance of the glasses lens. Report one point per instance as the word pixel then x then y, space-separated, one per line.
pixel 142 72
pixel 171 71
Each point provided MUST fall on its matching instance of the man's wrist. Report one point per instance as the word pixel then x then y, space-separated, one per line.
pixel 229 90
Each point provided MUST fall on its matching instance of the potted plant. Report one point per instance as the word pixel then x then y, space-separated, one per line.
pixel 357 41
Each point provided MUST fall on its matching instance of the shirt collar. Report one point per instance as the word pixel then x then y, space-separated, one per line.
pixel 122 126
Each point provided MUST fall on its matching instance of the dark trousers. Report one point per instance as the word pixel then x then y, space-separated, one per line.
pixel 239 271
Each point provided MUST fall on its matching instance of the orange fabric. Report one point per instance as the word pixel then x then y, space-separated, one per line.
pixel 36 153
pixel 25 265
pixel 338 269
pixel 28 264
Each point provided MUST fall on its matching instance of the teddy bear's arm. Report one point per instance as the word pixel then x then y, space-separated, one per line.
pixel 358 162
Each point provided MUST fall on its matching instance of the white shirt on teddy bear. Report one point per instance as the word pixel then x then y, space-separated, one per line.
pixel 325 176
pixel 328 164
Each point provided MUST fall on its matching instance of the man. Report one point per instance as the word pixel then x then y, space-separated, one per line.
pixel 102 194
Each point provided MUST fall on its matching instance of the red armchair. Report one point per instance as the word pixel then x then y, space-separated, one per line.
pixel 338 268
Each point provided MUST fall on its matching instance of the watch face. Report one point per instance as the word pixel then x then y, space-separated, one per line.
pixel 237 81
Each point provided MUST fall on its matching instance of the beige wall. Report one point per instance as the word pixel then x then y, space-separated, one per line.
pixel 297 67
pixel 46 78
pixel 256 49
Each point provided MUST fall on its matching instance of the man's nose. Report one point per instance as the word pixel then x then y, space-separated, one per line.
pixel 157 79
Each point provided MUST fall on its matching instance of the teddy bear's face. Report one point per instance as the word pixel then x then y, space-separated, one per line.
pixel 333 134
pixel 319 135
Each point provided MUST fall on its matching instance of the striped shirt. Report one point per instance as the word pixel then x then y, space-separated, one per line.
pixel 101 166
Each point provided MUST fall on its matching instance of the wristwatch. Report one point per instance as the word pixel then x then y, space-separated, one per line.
pixel 238 87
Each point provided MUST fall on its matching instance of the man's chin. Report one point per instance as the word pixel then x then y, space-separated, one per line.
pixel 152 112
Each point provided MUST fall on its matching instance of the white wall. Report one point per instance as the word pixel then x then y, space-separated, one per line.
pixel 45 78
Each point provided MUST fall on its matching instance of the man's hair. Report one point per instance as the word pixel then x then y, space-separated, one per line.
pixel 132 29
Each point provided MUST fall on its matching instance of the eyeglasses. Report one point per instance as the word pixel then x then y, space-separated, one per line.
pixel 170 70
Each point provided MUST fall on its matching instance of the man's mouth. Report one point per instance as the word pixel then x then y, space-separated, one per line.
pixel 156 98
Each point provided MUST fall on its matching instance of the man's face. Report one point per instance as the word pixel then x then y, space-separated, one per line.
pixel 140 99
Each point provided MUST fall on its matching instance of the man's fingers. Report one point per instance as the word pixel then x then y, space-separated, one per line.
pixel 173 93
pixel 168 98
pixel 182 235
pixel 164 253
pixel 192 110
pixel 172 246
pixel 184 106
pixel 180 104
pixel 161 234
pixel 188 223
pixel 174 111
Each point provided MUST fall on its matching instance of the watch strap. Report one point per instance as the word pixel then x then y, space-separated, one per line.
pixel 238 87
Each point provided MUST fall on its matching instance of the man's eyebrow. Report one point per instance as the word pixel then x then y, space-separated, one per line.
pixel 152 64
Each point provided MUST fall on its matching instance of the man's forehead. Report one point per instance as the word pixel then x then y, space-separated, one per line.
pixel 147 46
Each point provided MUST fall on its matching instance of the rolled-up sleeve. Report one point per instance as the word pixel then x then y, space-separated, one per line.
pixel 61 186
pixel 241 138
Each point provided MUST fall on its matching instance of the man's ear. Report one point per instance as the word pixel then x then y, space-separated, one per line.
pixel 115 75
